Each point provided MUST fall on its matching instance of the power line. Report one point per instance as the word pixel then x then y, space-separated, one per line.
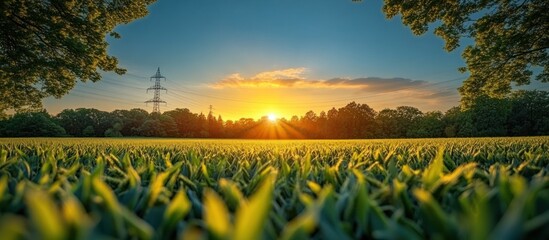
pixel 79 93
pixel 189 91
pixel 328 101
pixel 102 95
pixel 115 93
pixel 315 104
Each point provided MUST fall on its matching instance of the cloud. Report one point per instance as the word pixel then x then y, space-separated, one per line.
pixel 375 84
pixel 270 79
pixel 294 78
pixel 439 94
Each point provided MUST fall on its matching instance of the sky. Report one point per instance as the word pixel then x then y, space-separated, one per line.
pixel 251 58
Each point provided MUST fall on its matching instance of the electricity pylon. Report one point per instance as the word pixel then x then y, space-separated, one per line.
pixel 156 99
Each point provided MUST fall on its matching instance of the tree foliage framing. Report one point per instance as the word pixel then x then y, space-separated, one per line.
pixel 47 46
pixel 511 39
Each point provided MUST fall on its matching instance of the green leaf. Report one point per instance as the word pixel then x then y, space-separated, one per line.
pixel 216 215
pixel 44 215
pixel 13 227
pixel 512 224
pixel 177 209
pixel 75 216
pixel 136 225
pixel 111 203
pixel 435 219
pixel 300 227
pixel 233 195
pixel 252 216
pixel 434 171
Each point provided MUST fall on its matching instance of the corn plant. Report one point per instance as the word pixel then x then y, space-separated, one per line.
pixel 489 188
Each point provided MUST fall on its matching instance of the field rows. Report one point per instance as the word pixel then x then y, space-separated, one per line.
pixel 243 189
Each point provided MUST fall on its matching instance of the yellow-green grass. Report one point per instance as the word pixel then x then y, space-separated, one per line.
pixel 79 188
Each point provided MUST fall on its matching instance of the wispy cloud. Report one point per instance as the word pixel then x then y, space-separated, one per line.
pixel 271 79
pixel 294 78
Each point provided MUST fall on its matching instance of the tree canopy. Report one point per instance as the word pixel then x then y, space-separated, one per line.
pixel 511 39
pixel 46 46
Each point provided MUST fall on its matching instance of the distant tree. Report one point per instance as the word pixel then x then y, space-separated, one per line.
pixel 357 120
pixel 429 125
pixel 168 125
pixel 322 125
pixel 529 113
pixel 75 121
pixel 114 131
pixel 102 121
pixel 88 131
pixel 490 116
pixel 229 129
pixel 243 126
pixel 220 130
pixel 387 124
pixel 510 39
pixel 151 128
pixel 406 118
pixel 186 122
pixel 308 124
pixel 131 120
pixel 202 125
pixel 3 115
pixel 294 119
pixel 458 123
pixel 214 128
pixel 333 123
pixel 31 124
pixel 46 46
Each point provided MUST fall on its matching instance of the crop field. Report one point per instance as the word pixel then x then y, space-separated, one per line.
pixel 482 188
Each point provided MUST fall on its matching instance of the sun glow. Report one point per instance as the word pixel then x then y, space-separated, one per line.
pixel 271 117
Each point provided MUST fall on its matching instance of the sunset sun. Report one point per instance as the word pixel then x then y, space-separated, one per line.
pixel 271 117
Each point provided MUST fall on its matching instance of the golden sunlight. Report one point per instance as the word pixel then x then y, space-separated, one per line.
pixel 271 117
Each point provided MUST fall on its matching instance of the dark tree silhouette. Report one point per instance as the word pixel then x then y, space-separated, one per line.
pixel 522 113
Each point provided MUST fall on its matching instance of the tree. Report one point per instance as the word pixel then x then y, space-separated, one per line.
pixel 387 122
pixel 114 131
pixel 510 39
pixel 459 123
pixel 529 113
pixel 429 125
pixel 88 131
pixel 490 116
pixel 152 128
pixel 47 45
pixel 168 125
pixel 308 123
pixel 185 120
pixel 202 125
pixel 396 123
pixel 322 125
pixel 75 121
pixel 131 120
pixel 357 120
pixel 406 118
pixel 31 124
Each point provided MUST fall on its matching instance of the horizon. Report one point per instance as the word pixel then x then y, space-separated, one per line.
pixel 269 116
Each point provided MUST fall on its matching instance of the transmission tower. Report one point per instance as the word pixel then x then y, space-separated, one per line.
pixel 156 99
pixel 211 110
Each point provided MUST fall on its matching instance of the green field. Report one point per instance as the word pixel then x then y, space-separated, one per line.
pixel 491 188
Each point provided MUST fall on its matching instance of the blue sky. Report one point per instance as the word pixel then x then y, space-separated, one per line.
pixel 200 44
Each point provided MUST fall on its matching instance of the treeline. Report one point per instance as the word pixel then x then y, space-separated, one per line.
pixel 522 113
